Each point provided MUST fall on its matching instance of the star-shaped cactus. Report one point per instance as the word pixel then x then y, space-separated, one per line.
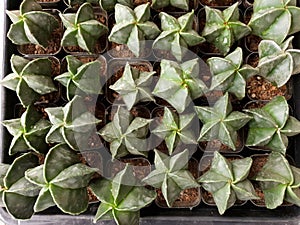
pixel 175 129
pixel 133 27
pixel 271 126
pixel 227 181
pixel 82 29
pixel 220 122
pixel 223 28
pixel 125 134
pixel 229 75
pixel 109 5
pixel 171 175
pixel 178 34
pixel 28 132
pixel 134 86
pixel 179 84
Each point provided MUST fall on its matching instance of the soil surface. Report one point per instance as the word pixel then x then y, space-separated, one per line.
pixel 259 88
pixel 252 42
pixel 253 59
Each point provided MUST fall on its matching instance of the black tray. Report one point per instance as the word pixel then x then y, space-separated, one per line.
pixel 151 215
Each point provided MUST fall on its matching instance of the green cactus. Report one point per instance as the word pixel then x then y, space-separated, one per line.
pixel 29 79
pixel 121 198
pixel 81 78
pixel 31 25
pixel 279 181
pixel 80 2
pixel 171 175
pixel 181 4
pixel 71 124
pixel 277 63
pixel 177 35
pixel 134 86
pixel 82 29
pixel 223 28
pixel 227 181
pixel 18 194
pixel 271 126
pixel 175 129
pixel 28 132
pixel 109 5
pixel 229 75
pixel 179 84
pixel 220 122
pixel 275 19
pixel 133 27
pixel 125 134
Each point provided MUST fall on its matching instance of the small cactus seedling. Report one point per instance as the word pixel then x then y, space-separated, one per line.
pixel 31 25
pixel 82 29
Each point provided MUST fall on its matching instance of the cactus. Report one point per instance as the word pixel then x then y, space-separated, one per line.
pixel 133 27
pixel 109 5
pixel 71 124
pixel 177 35
pixel 220 122
pixel 31 25
pixel 171 175
pixel 81 78
pixel 227 181
pixel 179 84
pixel 223 28
pixel 121 198
pixel 82 29
pixel 18 194
pixel 277 63
pixel 29 79
pixel 134 86
pixel 28 132
pixel 271 126
pixel 62 180
pixel 175 129
pixel 80 2
pixel 229 75
pixel 182 4
pixel 275 20
pixel 125 134
pixel 279 181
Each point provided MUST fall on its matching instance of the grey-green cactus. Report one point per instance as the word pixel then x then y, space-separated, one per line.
pixel 121 198
pixel 31 25
pixel 176 129
pixel 125 134
pixel 62 180
pixel 178 34
pixel 229 74
pixel 82 29
pixel 171 175
pixel 71 124
pixel 18 194
pixel 221 123
pixel 179 84
pixel 223 28
pixel 109 5
pixel 275 19
pixel 277 63
pixel 279 181
pixel 133 27
pixel 181 4
pixel 81 79
pixel 227 181
pixel 28 132
pixel 80 2
pixel 271 126
pixel 29 79
pixel 134 86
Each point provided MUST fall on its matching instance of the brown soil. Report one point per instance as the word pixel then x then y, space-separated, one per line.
pixel 92 159
pixel 259 88
pixel 140 2
pixel 259 193
pixel 141 167
pixel 216 145
pixel 258 162
pixel 136 111
pixel 253 60
pixel 92 197
pixel 122 51
pixel 214 3
pixel 53 45
pixel 252 42
pixel 255 104
pixel 189 197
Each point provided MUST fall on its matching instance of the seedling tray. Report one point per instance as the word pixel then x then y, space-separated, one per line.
pixel 152 215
